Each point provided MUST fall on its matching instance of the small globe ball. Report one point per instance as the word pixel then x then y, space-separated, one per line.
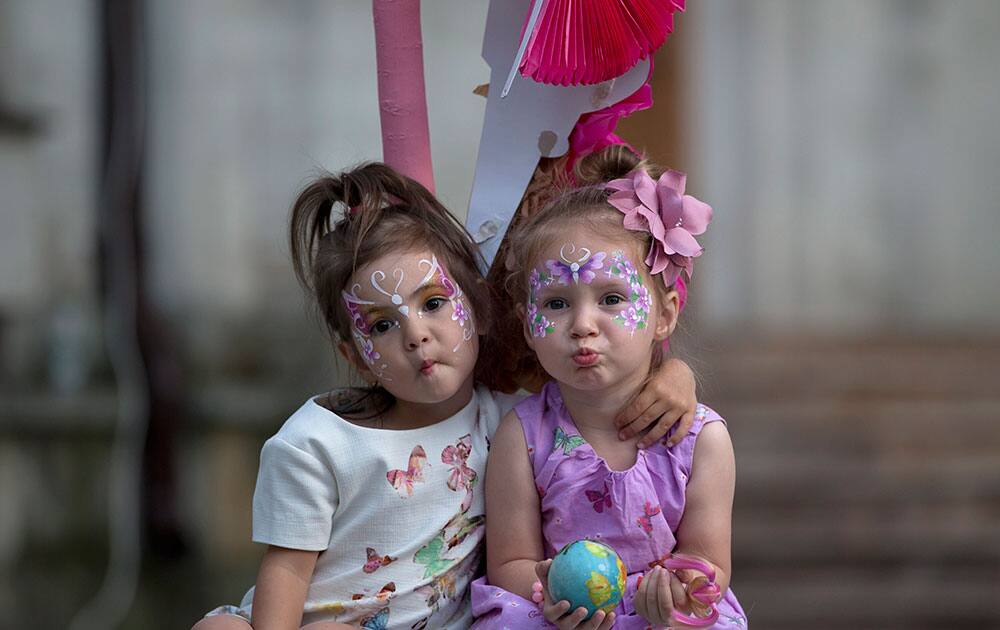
pixel 587 574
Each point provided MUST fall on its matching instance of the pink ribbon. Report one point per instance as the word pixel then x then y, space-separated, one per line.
pixel 596 130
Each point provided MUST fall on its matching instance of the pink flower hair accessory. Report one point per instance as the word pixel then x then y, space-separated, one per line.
pixel 661 208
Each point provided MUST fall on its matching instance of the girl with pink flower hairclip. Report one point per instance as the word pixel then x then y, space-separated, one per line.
pixel 596 273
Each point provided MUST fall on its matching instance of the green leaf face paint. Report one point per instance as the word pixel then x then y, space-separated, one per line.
pixel 636 316
pixel 538 323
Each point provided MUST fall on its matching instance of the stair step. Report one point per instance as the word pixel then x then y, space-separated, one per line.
pixel 869 598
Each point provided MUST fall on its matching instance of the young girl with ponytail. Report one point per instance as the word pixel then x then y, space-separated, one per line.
pixel 370 499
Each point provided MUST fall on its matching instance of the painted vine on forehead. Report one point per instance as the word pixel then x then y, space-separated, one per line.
pixel 394 297
pixel 640 300
pixel 538 323
pixel 454 294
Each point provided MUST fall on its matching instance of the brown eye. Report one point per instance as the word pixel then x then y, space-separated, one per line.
pixel 556 304
pixel 612 300
pixel 433 304
pixel 382 326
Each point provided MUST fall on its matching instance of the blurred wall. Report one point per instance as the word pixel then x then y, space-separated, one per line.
pixel 250 99
pixel 850 150
pixel 48 153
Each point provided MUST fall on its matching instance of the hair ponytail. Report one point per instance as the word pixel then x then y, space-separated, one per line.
pixel 613 162
pixel 341 222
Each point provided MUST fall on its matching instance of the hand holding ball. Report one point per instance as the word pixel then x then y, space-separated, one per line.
pixel 588 575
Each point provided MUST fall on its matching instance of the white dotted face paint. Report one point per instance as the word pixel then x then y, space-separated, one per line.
pixel 453 292
pixel 538 323
pixel 361 332
pixel 397 300
pixel 576 265
pixel 635 317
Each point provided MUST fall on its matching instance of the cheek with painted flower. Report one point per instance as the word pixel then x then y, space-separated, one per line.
pixel 608 278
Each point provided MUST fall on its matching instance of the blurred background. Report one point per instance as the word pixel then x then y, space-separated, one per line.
pixel 845 317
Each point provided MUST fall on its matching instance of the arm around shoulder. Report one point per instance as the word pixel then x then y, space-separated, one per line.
pixel 513 517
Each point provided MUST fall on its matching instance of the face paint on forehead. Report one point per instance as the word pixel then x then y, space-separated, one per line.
pixel 636 316
pixel 394 297
pixel 575 264
pixel 453 292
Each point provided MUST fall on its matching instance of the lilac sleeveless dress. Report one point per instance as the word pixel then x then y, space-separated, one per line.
pixel 635 511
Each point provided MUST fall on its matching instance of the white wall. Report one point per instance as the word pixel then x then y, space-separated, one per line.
pixel 48 182
pixel 852 154
pixel 252 97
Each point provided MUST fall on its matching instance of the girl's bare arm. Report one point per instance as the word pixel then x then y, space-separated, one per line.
pixel 706 528
pixel 282 584
pixel 513 523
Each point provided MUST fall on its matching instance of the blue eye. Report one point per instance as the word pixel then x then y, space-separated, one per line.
pixel 382 326
pixel 612 300
pixel 433 304
pixel 556 304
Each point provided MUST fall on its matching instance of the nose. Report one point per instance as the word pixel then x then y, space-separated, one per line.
pixel 416 333
pixel 584 323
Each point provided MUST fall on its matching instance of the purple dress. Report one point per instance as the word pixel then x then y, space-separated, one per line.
pixel 635 511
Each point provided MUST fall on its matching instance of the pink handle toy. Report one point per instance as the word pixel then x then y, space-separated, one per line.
pixel 702 590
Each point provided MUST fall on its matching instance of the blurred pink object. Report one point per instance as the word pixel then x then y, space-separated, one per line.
pixel 596 130
pixel 673 219
pixel 583 42
pixel 402 101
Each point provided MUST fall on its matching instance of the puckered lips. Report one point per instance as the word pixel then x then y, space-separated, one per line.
pixel 585 357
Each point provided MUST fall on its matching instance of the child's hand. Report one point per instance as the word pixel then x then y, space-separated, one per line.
pixel 669 398
pixel 558 612
pixel 659 592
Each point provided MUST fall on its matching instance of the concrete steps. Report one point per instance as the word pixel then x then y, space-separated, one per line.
pixel 868 492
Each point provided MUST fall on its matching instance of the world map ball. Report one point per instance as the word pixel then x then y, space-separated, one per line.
pixel 588 575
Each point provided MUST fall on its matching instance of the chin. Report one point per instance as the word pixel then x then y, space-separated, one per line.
pixel 431 392
pixel 590 378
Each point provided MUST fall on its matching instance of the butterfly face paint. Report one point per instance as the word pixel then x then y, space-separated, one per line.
pixel 397 300
pixel 362 333
pixel 460 314
pixel 575 265
pixel 636 316
pixel 590 311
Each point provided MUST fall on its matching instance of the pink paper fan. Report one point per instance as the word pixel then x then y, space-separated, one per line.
pixel 582 42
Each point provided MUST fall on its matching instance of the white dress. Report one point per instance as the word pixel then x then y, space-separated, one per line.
pixel 397 515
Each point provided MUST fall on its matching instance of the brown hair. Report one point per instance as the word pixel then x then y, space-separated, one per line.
pixel 383 211
pixel 587 202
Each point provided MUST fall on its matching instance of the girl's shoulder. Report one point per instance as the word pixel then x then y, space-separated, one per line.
pixel 309 426
pixel 684 450
pixel 545 422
